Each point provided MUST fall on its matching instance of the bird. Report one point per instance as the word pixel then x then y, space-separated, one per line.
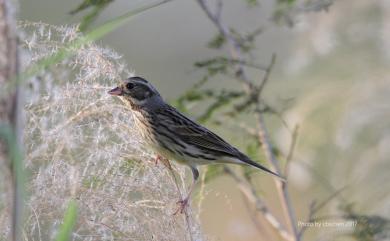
pixel 173 136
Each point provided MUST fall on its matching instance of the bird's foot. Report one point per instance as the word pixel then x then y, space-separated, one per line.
pixel 183 204
pixel 157 159
pixel 163 160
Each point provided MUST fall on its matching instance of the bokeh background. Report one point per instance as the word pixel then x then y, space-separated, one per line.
pixel 331 78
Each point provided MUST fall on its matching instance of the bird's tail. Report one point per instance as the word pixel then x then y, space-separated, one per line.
pixel 248 161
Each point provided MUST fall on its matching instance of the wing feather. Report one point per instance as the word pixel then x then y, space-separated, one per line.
pixel 195 134
pixel 200 137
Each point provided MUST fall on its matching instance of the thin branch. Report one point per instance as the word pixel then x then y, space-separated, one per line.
pixel 290 153
pixel 249 209
pixel 236 53
pixel 266 75
pixel 235 50
pixel 266 108
pixel 218 12
pixel 326 201
pixel 10 115
pixel 281 186
pixel 250 194
pixel 249 130
pixel 314 208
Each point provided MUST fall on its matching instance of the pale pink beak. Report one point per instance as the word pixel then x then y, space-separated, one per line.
pixel 116 91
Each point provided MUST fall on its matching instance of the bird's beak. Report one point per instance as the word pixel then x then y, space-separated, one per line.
pixel 116 91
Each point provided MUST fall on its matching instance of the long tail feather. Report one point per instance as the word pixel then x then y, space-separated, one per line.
pixel 248 161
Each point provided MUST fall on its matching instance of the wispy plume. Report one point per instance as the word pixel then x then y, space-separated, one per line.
pixel 81 145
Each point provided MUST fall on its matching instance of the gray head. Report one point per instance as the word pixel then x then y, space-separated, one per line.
pixel 139 92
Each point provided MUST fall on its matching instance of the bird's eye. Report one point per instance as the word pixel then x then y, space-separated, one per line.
pixel 129 86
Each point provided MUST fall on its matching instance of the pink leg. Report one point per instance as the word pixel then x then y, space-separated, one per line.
pixel 158 158
pixel 184 203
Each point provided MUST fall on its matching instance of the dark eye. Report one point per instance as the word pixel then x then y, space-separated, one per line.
pixel 129 86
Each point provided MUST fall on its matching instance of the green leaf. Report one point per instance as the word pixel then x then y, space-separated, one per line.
pixel 97 7
pixel 15 156
pixel 73 46
pixel 217 42
pixel 222 99
pixel 89 18
pixel 91 36
pixel 214 65
pixel 14 152
pixel 88 4
pixel 191 95
pixel 69 222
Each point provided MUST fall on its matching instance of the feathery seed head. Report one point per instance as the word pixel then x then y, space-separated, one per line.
pixel 83 146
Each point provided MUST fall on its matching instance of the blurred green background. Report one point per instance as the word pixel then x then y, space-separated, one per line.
pixel 331 78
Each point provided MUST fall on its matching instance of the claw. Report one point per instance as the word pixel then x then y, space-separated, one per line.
pixel 183 204
pixel 158 158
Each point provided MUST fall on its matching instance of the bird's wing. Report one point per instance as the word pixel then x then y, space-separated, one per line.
pixel 194 134
pixel 200 137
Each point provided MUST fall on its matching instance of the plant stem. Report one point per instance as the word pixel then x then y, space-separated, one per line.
pixel 10 116
pixel 236 53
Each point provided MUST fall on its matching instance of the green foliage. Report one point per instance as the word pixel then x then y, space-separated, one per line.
pixel 283 13
pixel 286 10
pixel 221 65
pixel 251 36
pixel 238 101
pixel 224 66
pixel 368 227
pixel 246 41
pixel 217 42
pixel 221 99
pixel 90 4
pixel 15 156
pixel 97 7
pixel 69 222
pixel 93 35
pixel 191 96
pixel 14 152
pixel 215 65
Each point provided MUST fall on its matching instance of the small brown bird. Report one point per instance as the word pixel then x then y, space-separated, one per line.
pixel 173 136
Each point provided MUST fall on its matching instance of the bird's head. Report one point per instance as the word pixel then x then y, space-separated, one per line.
pixel 139 92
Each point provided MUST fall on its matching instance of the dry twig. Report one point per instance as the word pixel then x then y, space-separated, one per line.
pixel 254 92
pixel 250 194
pixel 10 113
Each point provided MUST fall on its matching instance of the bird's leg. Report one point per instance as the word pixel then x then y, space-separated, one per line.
pixel 158 158
pixel 184 202
pixel 163 160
